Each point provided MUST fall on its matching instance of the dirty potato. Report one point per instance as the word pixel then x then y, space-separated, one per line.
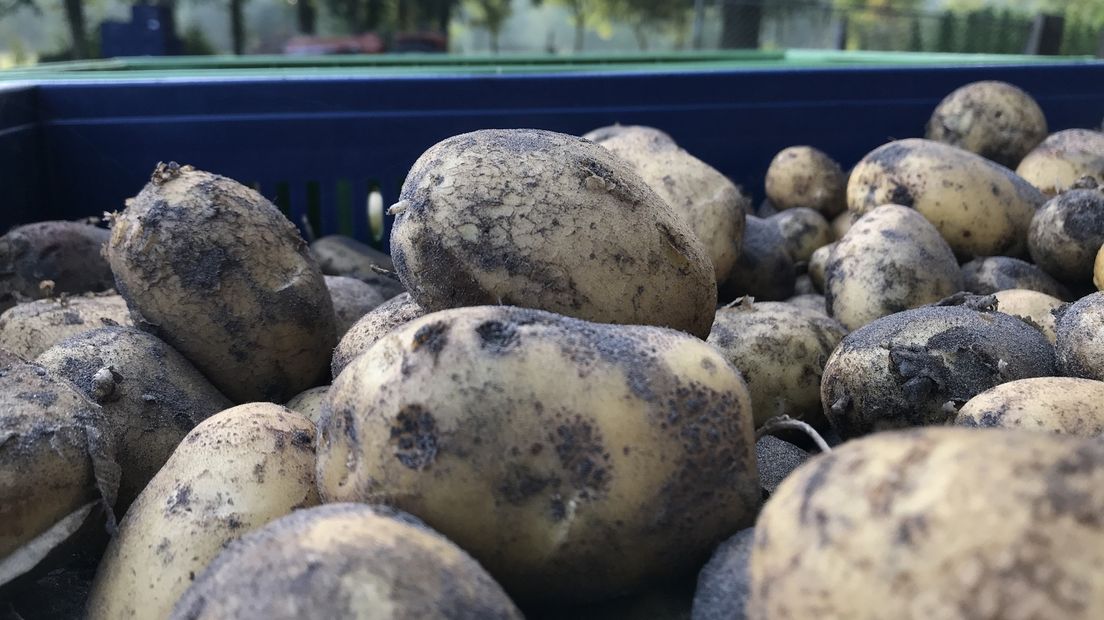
pixel 29 329
pixel 1034 308
pixel 574 460
pixel 49 258
pixel 215 270
pixel 612 131
pixel 813 302
pixel 309 403
pixel 804 230
pixel 1068 231
pixel 981 208
pixel 344 561
pixel 347 257
pixel 990 274
pixel 352 299
pixel 993 119
pixel 1078 342
pixel 803 176
pixel 765 269
pixel 1063 158
pixel 842 223
pixel 393 313
pixel 1065 405
pixel 545 220
pixel 818 265
pixel 234 472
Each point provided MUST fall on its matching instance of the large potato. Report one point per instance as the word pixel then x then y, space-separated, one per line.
pixel 64 255
pixel 1061 159
pixel 987 275
pixel 393 313
pixel 891 260
pixel 1067 232
pixel 981 208
pixel 344 561
pixel 574 460
pixel 993 119
pixel 804 230
pixel 352 299
pixel 1078 343
pixel 711 204
pixel 802 176
pixel 936 523
pixel 216 271
pixel 1033 307
pixel 916 367
pixel 151 396
pixel 780 350
pixel 765 269
pixel 1056 404
pixel 29 329
pixel 233 473
pixel 544 220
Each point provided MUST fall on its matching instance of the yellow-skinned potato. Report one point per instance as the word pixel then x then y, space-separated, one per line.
pixel 1078 343
pixel 891 260
pixel 842 223
pixel 576 461
pixel 233 473
pixel 993 119
pixel 814 303
pixel 344 561
pixel 545 220
pixel 1061 159
pixel 1065 405
pixel 981 208
pixel 765 269
pixel 780 350
pixel 818 265
pixel 803 176
pixel 985 276
pixel 352 299
pixel 309 403
pixel 215 270
pixel 711 204
pixel 936 523
pixel 1034 307
pixel 1067 232
pixel 395 312
pixel 612 131
pixel 1098 269
pixel 804 230
pixel 29 329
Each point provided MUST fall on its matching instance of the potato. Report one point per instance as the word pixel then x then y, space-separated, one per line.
pixel 1035 308
pixel 602 134
pixel 818 265
pixel 65 255
pixel 764 210
pixel 28 329
pixel 150 395
pixel 344 561
pixel 814 303
pixel 1063 158
pixel 710 204
pixel 309 403
pixel 215 270
pixel 1064 405
pixel 804 230
pixel 57 464
pixel 765 269
pixel 891 260
pixel 574 460
pixel 776 459
pixel 802 176
pixel 993 119
pixel 780 350
pixel 723 583
pixel 1098 269
pixel 352 299
pixel 347 257
pixel 842 222
pixel 981 208
pixel 916 367
pixel 389 315
pixel 233 473
pixel 936 523
pixel 593 241
pixel 1077 334
pixel 988 275
pixel 1068 231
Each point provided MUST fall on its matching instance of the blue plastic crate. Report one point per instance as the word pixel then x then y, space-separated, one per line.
pixel 317 146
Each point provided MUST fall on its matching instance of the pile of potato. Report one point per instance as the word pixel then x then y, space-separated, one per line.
pixel 591 380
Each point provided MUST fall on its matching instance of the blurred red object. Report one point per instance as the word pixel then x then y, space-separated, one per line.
pixel 369 43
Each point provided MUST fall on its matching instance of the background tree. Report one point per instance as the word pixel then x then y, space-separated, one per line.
pixel 489 14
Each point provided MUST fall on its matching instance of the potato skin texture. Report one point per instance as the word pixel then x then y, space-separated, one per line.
pixel 804 230
pixel 30 329
pixel 1035 308
pixel 936 523
pixel 842 223
pixel 903 370
pixel 1063 158
pixel 65 253
pixel 765 269
pixel 150 395
pixel 891 260
pixel 1098 269
pixel 308 403
pixel 1067 232
pixel 215 270
pixel 803 176
pixel 988 275
pixel 234 472
pixel 389 315
pixel 994 119
pixel 457 240
pixel 818 265
pixel 780 350
pixel 981 208
pixel 1080 349
pixel 344 561
pixel 352 299
pixel 1064 405
pixel 606 457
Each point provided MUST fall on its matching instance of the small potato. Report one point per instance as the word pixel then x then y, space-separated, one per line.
pixel 1063 405
pixel 815 303
pixel 990 274
pixel 544 220
pixel 233 473
pixel 1098 269
pixel 389 315
pixel 936 523
pixel 842 223
pixel 347 257
pixel 344 561
pixel 29 329
pixel 802 176
pixel 352 299
pixel 891 260
pixel 1067 232
pixel 818 265
pixel 804 230
pixel 981 208
pixel 612 131
pixel 63 255
pixel 993 119
pixel 606 457
pixel 1063 158
pixel 1078 343
pixel 765 269
pixel 309 403
pixel 803 285
pixel 723 583
pixel 780 350
pixel 916 367
pixel 1035 308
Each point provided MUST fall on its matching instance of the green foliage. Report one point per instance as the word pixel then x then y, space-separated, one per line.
pixel 489 14
pixel 948 28
pixel 195 43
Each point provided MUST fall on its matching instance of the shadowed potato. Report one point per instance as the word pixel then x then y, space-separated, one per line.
pixel 391 314
pixel 1064 405
pixel 987 275
pixel 1068 231
pixel 29 329
pixel 352 299
pixel 1077 338
pixel 804 230
pixel 347 257
pixel 65 255
pixel 765 269
pixel 993 119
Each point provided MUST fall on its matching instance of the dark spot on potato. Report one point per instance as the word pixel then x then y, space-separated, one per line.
pixel 557 508
pixel 497 337
pixel 414 435
pixel 902 196
pixel 582 453
pixel 43 398
pixel 302 439
pixel 536 449
pixel 1067 495
pixel 910 529
pixel 521 483
pixel 433 337
pixel 180 500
